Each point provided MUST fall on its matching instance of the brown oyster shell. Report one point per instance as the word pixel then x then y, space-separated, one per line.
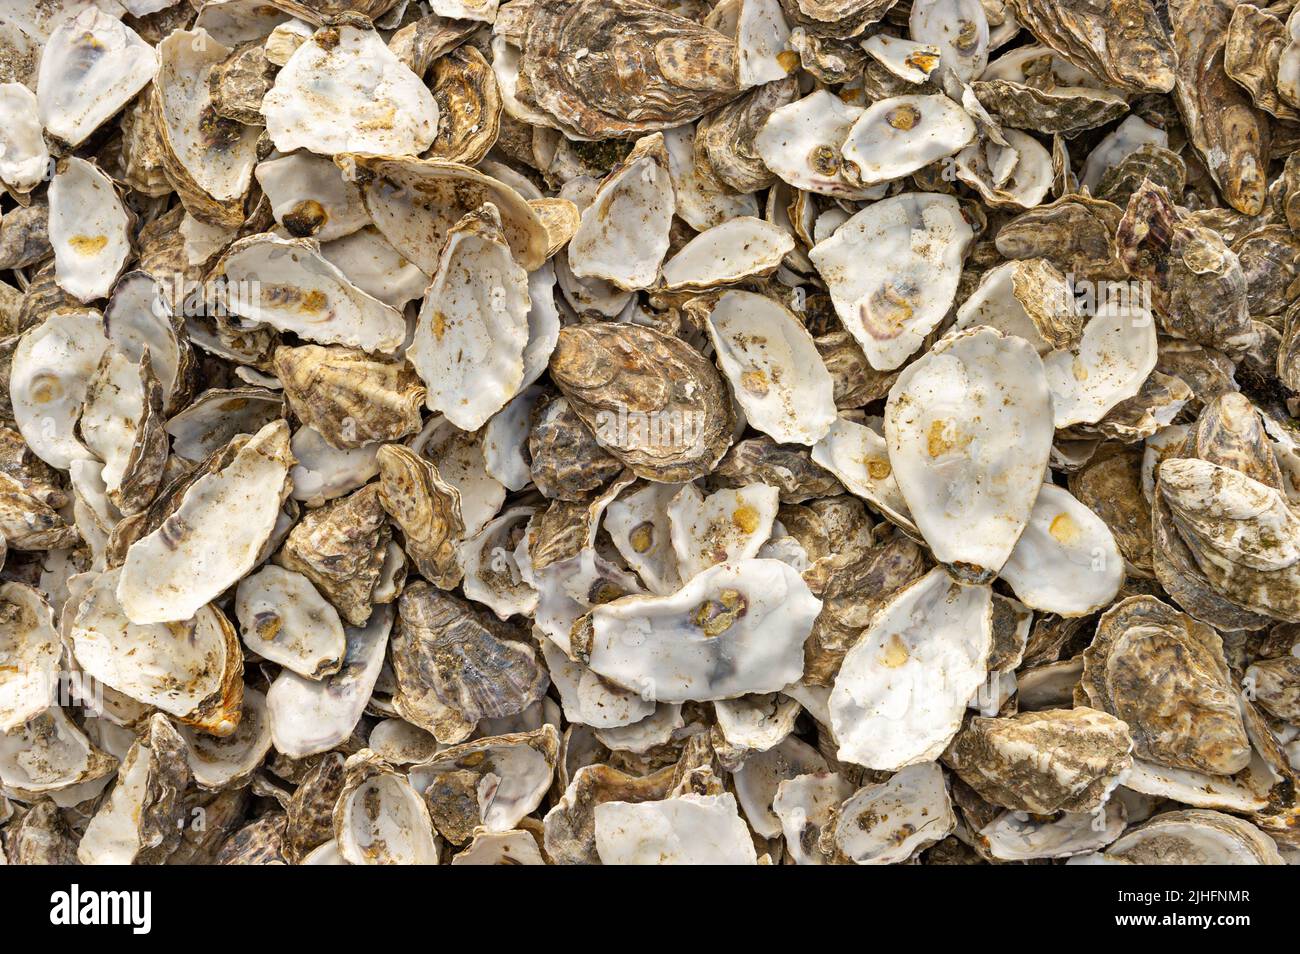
pixel 1197 285
pixel 1067 111
pixel 724 139
pixel 1111 487
pixel 1121 41
pixel 567 462
pixel 351 398
pixel 652 401
pixel 1254 42
pixel 469 106
pixel 1049 761
pixel 426 509
pixel 787 467
pixel 448 653
pixel 340 548
pixel 644 68
pixel 1164 674
pixel 1075 233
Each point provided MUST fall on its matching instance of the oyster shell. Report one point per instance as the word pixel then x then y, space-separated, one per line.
pixel 93 66
pixel 690 829
pixel 470 337
pixel 892 271
pixel 901 692
pixel 651 400
pixel 776 374
pixel 884 824
pixel 733 629
pixel 1163 673
pixel 343 90
pixel 1043 762
pixel 195 553
pixel 969 430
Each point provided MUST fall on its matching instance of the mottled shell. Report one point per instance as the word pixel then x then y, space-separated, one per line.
pixel 340 548
pixel 1054 760
pixel 447 654
pixel 1123 43
pixel 1164 674
pixel 349 398
pixel 651 400
pixel 644 68
pixel 426 509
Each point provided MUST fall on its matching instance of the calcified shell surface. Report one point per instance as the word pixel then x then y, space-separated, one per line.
pixel 828 432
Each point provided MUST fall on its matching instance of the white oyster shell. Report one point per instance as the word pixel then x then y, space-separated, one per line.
pixel 30 651
pixel 690 830
pixel 623 234
pixel 89 230
pixel 24 158
pixel 775 370
pixel 284 618
pixel 901 693
pixel 470 338
pixel 51 369
pixel 343 90
pixel 182 668
pixel 885 824
pixel 310 197
pixel 92 66
pixel 892 271
pixel 199 550
pixel 969 429
pixel 731 630
pixel 289 285
pixel 1066 560
pixel 1112 360
pixel 726 526
pixel 900 134
pixel 311 716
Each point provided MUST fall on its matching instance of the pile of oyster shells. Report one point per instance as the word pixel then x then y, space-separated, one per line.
pixel 649 431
